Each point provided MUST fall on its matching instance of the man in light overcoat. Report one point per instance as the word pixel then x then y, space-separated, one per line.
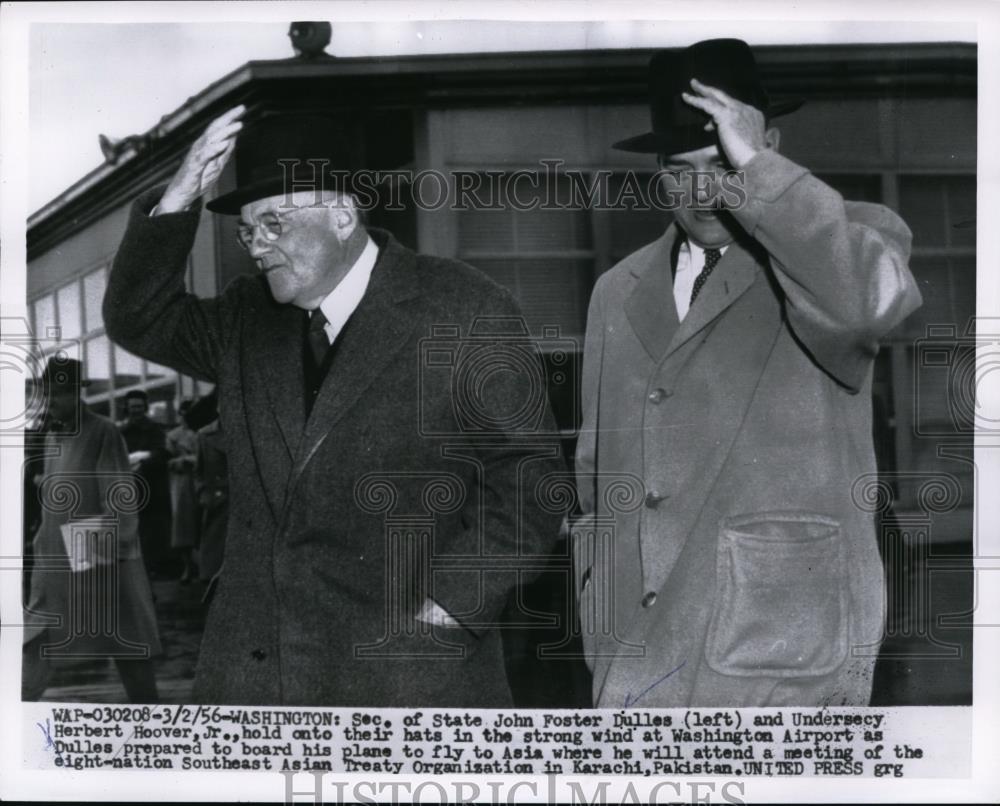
pixel 727 375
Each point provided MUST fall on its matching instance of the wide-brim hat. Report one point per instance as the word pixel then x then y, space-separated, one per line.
pixel 678 127
pixel 282 153
pixel 63 372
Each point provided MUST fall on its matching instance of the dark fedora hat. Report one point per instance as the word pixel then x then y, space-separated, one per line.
pixel 726 64
pixel 282 153
pixel 62 372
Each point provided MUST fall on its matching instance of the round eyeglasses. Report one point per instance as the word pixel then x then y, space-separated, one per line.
pixel 270 225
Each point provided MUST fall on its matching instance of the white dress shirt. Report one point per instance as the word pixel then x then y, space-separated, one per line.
pixel 339 304
pixel 690 262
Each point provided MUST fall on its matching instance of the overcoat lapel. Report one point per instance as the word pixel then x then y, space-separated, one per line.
pixel 379 328
pixel 273 395
pixel 650 307
pixel 728 282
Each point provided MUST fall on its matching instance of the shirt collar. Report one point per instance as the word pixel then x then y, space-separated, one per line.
pixel 340 303
pixel 696 254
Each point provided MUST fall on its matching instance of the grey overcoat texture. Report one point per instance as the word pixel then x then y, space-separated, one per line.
pixel 743 572
pixel 312 607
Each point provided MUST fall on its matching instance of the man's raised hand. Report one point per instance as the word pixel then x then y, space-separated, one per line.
pixel 204 162
pixel 740 126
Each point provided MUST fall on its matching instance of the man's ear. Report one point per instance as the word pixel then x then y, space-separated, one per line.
pixel 772 138
pixel 345 218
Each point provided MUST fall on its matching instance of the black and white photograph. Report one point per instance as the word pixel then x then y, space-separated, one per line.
pixel 527 402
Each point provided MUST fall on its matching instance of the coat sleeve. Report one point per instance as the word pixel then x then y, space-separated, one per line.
pixel 842 266
pixel 146 307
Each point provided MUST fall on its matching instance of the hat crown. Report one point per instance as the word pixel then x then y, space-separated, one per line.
pixel 725 64
pixel 296 148
pixel 284 152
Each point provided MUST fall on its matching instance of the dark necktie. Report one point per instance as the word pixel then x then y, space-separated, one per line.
pixel 317 346
pixel 316 336
pixel 711 258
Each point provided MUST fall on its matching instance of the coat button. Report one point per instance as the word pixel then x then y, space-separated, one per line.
pixel 258 654
pixel 658 395
pixel 653 499
pixel 649 599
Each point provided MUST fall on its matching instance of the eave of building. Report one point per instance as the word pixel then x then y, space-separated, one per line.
pixel 484 79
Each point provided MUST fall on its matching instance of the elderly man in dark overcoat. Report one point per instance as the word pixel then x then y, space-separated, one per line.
pixel 727 377
pixel 379 514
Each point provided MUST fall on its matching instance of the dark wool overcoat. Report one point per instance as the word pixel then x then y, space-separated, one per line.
pixel 333 517
pixel 734 562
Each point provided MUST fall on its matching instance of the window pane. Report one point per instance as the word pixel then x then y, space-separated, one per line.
pixel 93 294
pixel 933 279
pixel 550 292
pixel 97 365
pixel 633 226
pixel 155 372
pixel 513 247
pixel 524 230
pixel 45 316
pixel 128 368
pixel 941 210
pixel 948 287
pixel 485 231
pixel 963 284
pixel 68 299
pixel 962 210
pixel 922 206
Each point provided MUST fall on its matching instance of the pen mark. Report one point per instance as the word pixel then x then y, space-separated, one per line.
pixel 46 730
pixel 630 700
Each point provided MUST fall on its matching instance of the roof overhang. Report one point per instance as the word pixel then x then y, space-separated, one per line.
pixel 483 80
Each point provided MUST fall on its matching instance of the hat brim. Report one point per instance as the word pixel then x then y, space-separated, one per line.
pixel 231 203
pixel 673 142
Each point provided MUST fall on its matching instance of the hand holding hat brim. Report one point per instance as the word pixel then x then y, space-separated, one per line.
pixel 204 162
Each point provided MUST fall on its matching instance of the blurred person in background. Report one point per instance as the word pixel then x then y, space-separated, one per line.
pixel 147 453
pixel 182 445
pixel 93 600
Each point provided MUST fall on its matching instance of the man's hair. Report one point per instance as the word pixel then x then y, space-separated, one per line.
pixel 137 394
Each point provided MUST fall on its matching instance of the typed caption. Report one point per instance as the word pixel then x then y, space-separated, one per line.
pixel 875 743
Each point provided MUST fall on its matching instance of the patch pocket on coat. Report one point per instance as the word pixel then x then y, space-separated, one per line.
pixel 782 596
